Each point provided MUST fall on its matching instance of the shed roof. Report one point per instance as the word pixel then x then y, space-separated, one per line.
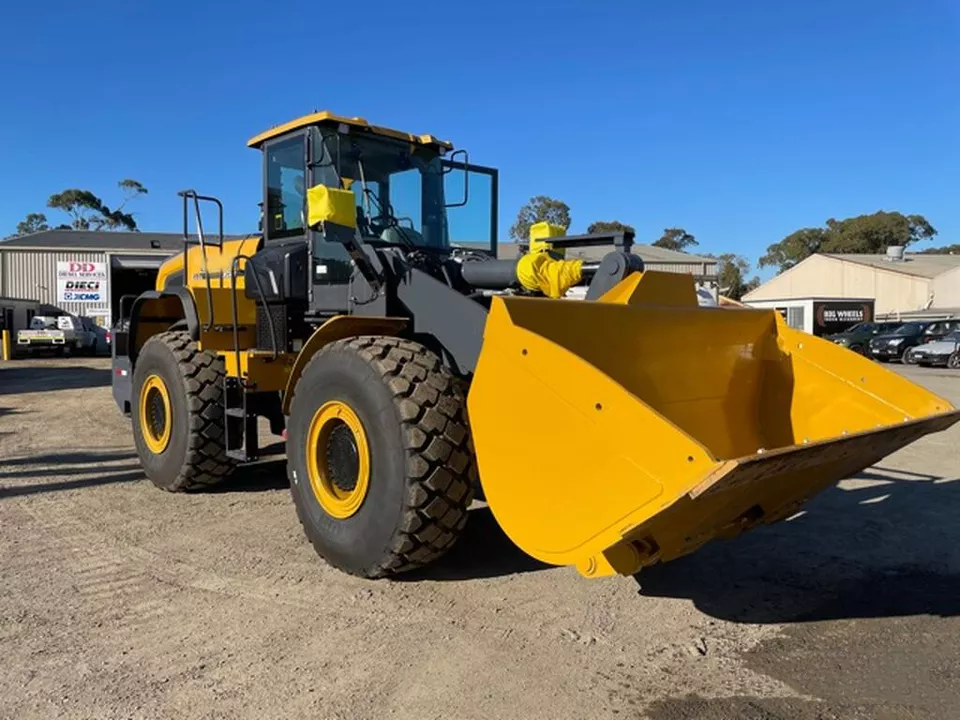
pixel 920 265
pixel 89 240
pixel 647 253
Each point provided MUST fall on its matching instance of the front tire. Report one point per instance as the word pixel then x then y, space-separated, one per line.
pixel 953 362
pixel 178 421
pixel 379 455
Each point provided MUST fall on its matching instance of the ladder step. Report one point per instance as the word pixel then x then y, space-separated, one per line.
pixel 236 412
pixel 240 455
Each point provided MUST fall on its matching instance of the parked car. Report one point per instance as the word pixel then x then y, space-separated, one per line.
pixel 63 334
pixel 857 338
pixel 945 351
pixel 895 345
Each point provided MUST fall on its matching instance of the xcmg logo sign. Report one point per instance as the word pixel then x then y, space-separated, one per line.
pixel 84 282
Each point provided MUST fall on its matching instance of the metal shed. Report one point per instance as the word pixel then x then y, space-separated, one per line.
pixel 83 272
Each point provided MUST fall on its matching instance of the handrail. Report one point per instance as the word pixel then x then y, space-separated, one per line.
pixel 234 270
pixel 188 195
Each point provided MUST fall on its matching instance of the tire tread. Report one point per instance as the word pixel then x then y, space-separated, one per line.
pixel 441 465
pixel 206 461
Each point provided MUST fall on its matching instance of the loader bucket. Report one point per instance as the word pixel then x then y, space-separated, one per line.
pixel 611 435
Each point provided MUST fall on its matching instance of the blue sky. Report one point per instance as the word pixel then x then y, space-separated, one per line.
pixel 739 121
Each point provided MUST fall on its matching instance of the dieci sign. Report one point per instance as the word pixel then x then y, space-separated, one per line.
pixel 84 282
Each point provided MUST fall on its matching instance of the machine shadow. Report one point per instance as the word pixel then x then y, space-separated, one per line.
pixel 483 551
pixel 87 482
pixel 75 458
pixel 886 550
pixel 40 378
pixel 262 476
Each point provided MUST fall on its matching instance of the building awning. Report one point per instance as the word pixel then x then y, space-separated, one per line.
pixel 136 262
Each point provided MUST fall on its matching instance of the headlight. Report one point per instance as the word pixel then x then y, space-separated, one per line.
pixel 841 341
pixel 894 343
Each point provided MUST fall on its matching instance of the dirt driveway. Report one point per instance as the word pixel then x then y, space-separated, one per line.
pixel 120 601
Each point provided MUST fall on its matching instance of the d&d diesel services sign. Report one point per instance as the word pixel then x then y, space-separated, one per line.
pixel 84 282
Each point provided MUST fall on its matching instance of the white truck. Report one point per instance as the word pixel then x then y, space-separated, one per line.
pixel 64 334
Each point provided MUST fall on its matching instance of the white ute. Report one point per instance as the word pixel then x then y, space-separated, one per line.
pixel 66 334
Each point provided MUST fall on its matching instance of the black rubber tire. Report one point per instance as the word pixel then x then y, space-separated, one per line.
pixel 195 456
pixel 953 362
pixel 859 349
pixel 905 357
pixel 422 465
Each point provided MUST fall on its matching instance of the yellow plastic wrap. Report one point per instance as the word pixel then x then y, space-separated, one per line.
pixel 326 204
pixel 539 272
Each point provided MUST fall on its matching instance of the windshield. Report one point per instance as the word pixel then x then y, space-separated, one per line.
pixel 860 327
pixel 398 187
pixel 953 337
pixel 909 329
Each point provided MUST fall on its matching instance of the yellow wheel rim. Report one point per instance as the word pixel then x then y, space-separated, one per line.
pixel 338 459
pixel 155 415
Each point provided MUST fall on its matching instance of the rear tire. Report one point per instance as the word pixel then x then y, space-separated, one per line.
pixel 180 438
pixel 416 465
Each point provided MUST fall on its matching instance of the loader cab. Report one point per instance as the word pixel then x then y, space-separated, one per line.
pixel 413 192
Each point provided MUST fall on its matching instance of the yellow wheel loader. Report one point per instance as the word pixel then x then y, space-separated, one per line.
pixel 408 370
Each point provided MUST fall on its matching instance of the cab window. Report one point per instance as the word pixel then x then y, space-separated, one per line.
pixel 285 188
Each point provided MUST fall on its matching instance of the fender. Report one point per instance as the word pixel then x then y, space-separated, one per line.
pixel 187 310
pixel 337 328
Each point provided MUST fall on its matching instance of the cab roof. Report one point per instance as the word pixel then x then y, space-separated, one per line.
pixel 328 118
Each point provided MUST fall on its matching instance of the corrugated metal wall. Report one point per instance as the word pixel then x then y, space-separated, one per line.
pixel 698 269
pixel 32 275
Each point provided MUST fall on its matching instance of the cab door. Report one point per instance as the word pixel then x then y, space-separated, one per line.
pixel 471 193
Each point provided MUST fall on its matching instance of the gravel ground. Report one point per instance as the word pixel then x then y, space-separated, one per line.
pixel 120 601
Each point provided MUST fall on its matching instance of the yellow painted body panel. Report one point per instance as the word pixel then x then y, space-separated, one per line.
pixel 326 116
pixel 217 264
pixel 261 371
pixel 660 424
pixel 168 268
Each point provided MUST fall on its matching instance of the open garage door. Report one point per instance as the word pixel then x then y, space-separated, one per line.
pixel 131 275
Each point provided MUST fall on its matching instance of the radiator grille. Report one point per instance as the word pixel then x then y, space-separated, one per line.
pixel 279 315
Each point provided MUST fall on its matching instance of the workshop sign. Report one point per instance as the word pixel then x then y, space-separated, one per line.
pixel 835 317
pixel 84 282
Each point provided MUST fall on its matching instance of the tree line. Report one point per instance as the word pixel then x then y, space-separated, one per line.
pixel 732 269
pixel 871 234
pixel 84 210
pixel 874 233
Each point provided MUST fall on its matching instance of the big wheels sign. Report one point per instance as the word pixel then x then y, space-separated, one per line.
pixel 84 282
